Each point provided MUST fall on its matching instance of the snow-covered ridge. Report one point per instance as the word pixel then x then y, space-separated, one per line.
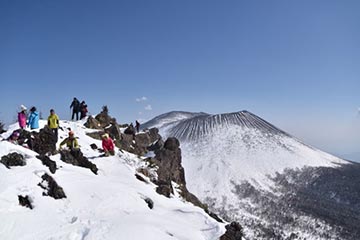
pixel 197 126
pixel 108 206
pixel 231 161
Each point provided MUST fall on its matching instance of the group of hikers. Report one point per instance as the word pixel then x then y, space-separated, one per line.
pixel 77 108
pixel 32 121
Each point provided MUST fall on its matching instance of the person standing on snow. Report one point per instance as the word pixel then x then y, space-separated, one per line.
pixel 83 109
pixel 108 145
pixel 22 117
pixel 33 121
pixel 53 123
pixel 75 105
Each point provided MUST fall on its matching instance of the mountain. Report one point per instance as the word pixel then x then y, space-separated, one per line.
pixel 247 169
pixel 113 204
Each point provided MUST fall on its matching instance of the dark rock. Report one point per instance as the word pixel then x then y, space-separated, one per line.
pixel 149 202
pixel 95 135
pixel 51 187
pixel 126 142
pixel 154 134
pixel 234 231
pixel 75 157
pixel 113 131
pixel 13 159
pixel 93 146
pixel 92 123
pixel 164 188
pixel 25 201
pixel 172 144
pixel 156 146
pixel 130 130
pixel 48 162
pixel 104 119
pixel 140 178
pixel 44 142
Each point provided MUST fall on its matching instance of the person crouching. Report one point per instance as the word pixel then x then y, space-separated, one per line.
pixel 72 144
pixel 108 145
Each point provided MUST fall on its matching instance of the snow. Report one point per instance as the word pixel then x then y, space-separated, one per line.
pixel 220 151
pixel 109 205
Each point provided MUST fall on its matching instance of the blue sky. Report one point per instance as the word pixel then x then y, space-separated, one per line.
pixel 293 63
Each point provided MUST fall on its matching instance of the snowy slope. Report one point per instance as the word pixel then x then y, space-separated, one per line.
pixel 234 162
pixel 109 205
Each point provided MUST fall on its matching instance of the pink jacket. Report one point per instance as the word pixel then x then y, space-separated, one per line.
pixel 22 119
pixel 108 144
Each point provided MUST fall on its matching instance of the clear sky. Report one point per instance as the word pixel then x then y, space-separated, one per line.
pixel 294 63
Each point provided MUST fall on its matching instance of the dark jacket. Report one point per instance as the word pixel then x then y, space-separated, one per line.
pixel 75 105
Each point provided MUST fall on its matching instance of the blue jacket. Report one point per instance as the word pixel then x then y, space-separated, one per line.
pixel 33 121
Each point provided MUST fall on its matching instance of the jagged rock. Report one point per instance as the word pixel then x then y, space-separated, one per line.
pixel 93 146
pixel 130 130
pixel 149 202
pixel 48 162
pixel 92 123
pixel 140 178
pixel 13 159
pixel 25 201
pixel 114 131
pixel 76 158
pixel 156 146
pixel 126 142
pixel 104 118
pixel 51 187
pixel 234 231
pixel 164 188
pixel 172 144
pixel 154 134
pixel 95 135
pixel 142 141
pixel 44 142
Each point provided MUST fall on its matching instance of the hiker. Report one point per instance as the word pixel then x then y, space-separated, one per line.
pixel 14 137
pixel 33 121
pixel 53 123
pixel 75 105
pixel 108 145
pixel 83 110
pixel 137 126
pixel 72 144
pixel 22 117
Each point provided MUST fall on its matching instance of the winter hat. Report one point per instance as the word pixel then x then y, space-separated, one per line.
pixel 105 135
pixel 22 107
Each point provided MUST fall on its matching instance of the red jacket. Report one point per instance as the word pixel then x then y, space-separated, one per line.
pixel 108 144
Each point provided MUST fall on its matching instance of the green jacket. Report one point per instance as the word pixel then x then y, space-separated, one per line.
pixel 53 121
pixel 71 143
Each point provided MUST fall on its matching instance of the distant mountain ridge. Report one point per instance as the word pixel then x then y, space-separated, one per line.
pixel 247 169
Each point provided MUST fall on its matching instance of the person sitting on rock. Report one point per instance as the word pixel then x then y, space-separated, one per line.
pixel 72 144
pixel 108 145
pixel 14 137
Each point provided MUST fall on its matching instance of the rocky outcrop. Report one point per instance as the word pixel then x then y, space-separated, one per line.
pixel 75 157
pixel 234 231
pixel 48 162
pixel 25 201
pixel 92 123
pixel 13 159
pixel 168 160
pixel 51 188
pixel 104 118
pixel 41 142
